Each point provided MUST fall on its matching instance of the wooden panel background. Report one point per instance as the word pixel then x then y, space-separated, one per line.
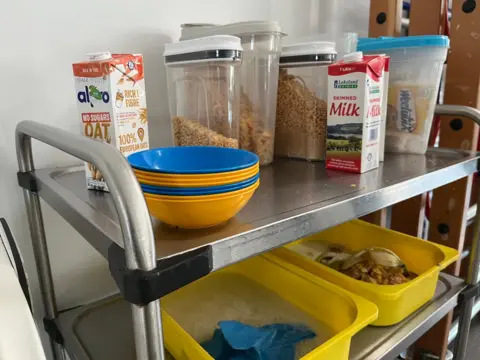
pixel 450 203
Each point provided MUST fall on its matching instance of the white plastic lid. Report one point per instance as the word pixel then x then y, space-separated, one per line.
pixel 235 29
pixel 204 49
pixel 97 56
pixel 352 57
pixel 309 48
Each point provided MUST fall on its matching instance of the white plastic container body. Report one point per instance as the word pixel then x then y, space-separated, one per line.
pixel 204 99
pixel 302 111
pixel 415 74
pixel 259 81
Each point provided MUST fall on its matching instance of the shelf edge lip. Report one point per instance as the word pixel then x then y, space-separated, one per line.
pixel 271 234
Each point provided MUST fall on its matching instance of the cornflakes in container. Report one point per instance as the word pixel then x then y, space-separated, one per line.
pixel 110 92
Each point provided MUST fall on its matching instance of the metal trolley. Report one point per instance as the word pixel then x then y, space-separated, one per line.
pixel 148 260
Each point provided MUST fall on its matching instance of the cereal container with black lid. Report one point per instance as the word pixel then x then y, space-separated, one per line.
pixel 300 130
pixel 204 90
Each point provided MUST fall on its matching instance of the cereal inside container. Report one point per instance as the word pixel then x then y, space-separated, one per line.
pixel 261 42
pixel 300 129
pixel 204 91
pixel 416 65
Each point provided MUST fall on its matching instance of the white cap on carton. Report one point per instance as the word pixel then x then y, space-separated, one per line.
pixel 352 57
pixel 96 56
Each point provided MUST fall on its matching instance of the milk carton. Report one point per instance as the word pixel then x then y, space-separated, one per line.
pixel 354 113
pixel 110 91
pixel 384 85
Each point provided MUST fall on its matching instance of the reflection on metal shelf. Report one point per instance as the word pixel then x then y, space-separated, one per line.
pixel 454 328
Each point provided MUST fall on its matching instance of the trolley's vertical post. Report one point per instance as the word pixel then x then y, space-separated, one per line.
pixel 133 215
pixel 474 268
pixel 467 306
pixel 39 243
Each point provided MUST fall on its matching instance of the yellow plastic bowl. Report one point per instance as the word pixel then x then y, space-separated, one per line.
pixel 197 176
pixel 148 178
pixel 196 212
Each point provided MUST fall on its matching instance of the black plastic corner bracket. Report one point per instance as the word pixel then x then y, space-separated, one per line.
pixel 27 181
pixel 142 287
pixel 52 330
pixel 470 292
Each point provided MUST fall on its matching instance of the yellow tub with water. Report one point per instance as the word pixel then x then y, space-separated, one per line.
pixel 395 302
pixel 343 313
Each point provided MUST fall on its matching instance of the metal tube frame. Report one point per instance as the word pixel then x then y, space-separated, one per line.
pixel 466 306
pixel 137 230
pixel 134 218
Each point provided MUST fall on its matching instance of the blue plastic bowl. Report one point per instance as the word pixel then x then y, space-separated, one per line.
pixel 192 160
pixel 162 190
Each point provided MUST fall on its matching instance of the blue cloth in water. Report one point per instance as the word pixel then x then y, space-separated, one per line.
pixel 236 341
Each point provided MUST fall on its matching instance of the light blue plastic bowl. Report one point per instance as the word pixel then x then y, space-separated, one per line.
pixel 192 160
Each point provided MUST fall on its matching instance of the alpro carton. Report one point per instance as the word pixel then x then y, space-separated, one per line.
pixel 110 91
pixel 354 113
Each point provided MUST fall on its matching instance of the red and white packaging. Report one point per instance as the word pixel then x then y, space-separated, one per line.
pixel 384 85
pixel 111 101
pixel 355 90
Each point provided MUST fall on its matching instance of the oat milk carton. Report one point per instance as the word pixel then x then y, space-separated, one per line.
pixel 354 113
pixel 110 91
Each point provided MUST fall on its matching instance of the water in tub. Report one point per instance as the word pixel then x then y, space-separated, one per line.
pixel 199 306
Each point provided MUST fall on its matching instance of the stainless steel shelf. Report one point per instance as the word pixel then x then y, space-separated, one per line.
pixel 295 198
pixel 386 343
pixel 104 330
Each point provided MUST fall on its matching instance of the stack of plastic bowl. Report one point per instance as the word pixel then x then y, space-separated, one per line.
pixel 196 187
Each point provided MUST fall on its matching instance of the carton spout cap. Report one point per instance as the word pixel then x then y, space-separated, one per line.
pixel 353 57
pixel 96 56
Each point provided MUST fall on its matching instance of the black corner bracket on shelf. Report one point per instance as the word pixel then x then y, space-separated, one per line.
pixel 53 331
pixel 142 287
pixel 472 291
pixel 26 180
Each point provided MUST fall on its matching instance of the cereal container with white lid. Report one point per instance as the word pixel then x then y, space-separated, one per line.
pixel 416 64
pixel 204 90
pixel 261 42
pixel 300 128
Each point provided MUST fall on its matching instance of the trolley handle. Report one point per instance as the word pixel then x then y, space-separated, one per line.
pixel 134 218
pixel 459 110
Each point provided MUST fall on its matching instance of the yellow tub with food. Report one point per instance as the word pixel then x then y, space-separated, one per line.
pixel 260 291
pixel 423 262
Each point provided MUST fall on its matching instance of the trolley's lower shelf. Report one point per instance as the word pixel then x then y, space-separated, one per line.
pixel 103 330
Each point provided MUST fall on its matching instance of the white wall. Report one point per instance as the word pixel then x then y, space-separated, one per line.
pixel 39 40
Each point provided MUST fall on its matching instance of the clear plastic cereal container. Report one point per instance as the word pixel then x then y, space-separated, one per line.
pixel 204 90
pixel 261 42
pixel 301 122
pixel 416 64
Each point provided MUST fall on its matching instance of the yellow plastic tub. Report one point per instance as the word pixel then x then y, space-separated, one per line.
pixel 395 302
pixel 344 313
